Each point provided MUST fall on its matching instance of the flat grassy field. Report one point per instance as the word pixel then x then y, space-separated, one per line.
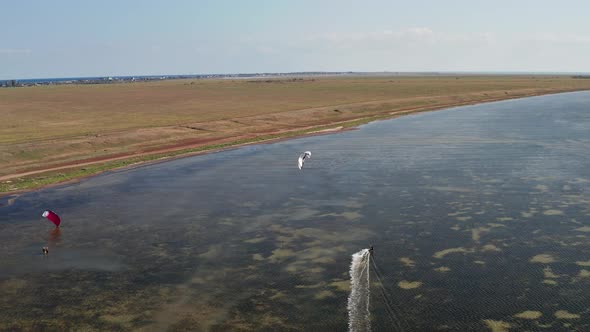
pixel 63 127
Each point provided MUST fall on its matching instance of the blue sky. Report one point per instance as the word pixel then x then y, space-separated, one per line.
pixel 82 38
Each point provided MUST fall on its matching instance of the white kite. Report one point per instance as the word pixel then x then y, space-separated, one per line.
pixel 302 158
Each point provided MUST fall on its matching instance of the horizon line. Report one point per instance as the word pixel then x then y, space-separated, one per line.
pixel 311 72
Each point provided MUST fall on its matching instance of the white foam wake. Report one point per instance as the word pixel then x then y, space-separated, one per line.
pixel 358 300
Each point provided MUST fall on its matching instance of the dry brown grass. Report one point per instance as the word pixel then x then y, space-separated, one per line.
pixel 47 126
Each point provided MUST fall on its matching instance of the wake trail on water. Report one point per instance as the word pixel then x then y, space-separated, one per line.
pixel 360 293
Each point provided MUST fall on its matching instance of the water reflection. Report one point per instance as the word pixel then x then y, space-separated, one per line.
pixel 54 237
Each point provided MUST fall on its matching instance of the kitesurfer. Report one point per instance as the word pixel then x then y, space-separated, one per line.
pixel 45 251
pixel 371 250
pixel 53 217
pixel 302 158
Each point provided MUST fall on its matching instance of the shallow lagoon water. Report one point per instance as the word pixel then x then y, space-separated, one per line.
pixel 479 215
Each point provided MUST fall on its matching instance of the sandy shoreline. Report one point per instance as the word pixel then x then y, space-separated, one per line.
pixel 234 142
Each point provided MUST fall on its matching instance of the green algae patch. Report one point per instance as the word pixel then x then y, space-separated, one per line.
pixel 257 257
pixel 407 261
pixel 476 233
pixel 564 314
pixel 324 295
pixel 542 258
pixel 312 286
pixel 529 314
pixel 279 255
pixel 315 269
pixel 351 215
pixel 553 212
pixel 341 285
pixel 279 295
pixel 490 247
pixel 213 252
pixel 542 188
pixel 497 325
pixel 404 284
pixel 255 240
pixel 548 273
pixel 583 263
pixel 443 253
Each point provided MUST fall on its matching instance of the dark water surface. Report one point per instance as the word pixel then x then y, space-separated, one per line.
pixel 480 217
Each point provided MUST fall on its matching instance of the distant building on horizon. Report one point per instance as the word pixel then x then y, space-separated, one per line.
pixel 9 83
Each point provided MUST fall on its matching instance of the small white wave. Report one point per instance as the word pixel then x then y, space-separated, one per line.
pixel 358 300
